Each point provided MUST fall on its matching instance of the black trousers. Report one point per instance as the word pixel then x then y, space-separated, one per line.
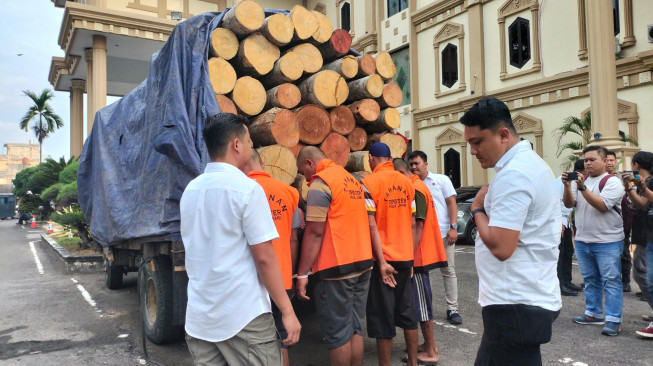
pixel 512 335
pixel 626 260
pixel 566 248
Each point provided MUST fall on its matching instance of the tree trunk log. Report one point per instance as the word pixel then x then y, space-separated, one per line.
pixel 392 96
pixel 279 163
pixel 396 143
pixel 256 56
pixel 286 69
pixel 224 43
pixel 310 55
pixel 367 87
pixel 366 65
pixel 360 175
pixel 324 28
pixel 389 119
pixel 365 111
pixel 226 105
pixel 275 126
pixel 358 161
pixel 286 95
pixel 342 120
pixel 314 124
pixel 337 46
pixel 222 75
pixel 357 139
pixel 295 149
pixel 325 88
pixel 244 18
pixel 384 65
pixel 336 147
pixel 347 66
pixel 278 29
pixel 249 96
pixel 304 22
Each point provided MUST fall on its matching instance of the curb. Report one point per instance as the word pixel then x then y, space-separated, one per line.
pixel 75 263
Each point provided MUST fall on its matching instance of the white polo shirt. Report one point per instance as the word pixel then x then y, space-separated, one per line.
pixel 522 197
pixel 222 213
pixel 441 188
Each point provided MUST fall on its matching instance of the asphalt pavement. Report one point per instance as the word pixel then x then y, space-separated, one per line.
pixel 57 318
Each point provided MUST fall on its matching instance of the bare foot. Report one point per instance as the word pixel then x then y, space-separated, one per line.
pixel 423 356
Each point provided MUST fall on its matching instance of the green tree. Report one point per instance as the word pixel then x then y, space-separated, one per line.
pixel 47 174
pixel 21 180
pixel 47 120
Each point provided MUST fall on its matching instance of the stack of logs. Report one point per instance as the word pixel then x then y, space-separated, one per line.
pixel 293 77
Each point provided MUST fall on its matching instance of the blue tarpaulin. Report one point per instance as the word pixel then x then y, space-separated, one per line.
pixel 145 148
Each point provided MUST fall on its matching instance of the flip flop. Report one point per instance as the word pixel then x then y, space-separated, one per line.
pixel 420 362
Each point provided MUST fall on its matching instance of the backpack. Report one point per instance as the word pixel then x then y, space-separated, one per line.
pixel 623 209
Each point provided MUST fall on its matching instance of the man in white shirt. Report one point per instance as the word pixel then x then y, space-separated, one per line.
pixel 599 239
pixel 518 221
pixel 446 208
pixel 227 230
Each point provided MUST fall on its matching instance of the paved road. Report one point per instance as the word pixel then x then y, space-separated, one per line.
pixel 50 317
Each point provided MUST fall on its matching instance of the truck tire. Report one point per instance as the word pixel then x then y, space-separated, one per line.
pixel 156 300
pixel 113 275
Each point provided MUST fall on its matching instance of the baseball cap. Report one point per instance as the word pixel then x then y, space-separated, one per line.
pixel 379 149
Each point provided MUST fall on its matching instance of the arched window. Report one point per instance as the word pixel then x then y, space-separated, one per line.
pixel 615 16
pixel 449 65
pixel 345 17
pixel 519 39
pixel 452 166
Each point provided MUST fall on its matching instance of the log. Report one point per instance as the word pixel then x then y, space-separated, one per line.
pixel 357 139
pixel 244 18
pixel 301 186
pixel 256 56
pixel 391 97
pixel 287 69
pixel 224 43
pixel 347 66
pixel 286 95
pixel 337 46
pixel 324 28
pixel 279 162
pixel 396 143
pixel 358 161
pixel 275 126
pixel 278 29
pixel 366 65
pixel 336 147
pixel 310 55
pixel 314 124
pixel 384 65
pixel 249 96
pixel 367 87
pixel 225 104
pixel 295 149
pixel 389 119
pixel 326 89
pixel 304 22
pixel 342 120
pixel 365 111
pixel 360 175
pixel 222 75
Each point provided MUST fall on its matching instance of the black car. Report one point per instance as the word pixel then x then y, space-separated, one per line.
pixel 466 228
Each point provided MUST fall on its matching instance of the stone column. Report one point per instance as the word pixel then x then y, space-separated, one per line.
pixel 539 149
pixel 90 111
pixel 76 117
pixel 502 47
pixel 629 37
pixel 99 87
pixel 477 48
pixel 461 62
pixel 463 160
pixel 436 51
pixel 535 30
pixel 582 31
pixel 602 73
pixel 438 161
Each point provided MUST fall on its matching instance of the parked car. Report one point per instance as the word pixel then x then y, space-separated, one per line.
pixel 466 228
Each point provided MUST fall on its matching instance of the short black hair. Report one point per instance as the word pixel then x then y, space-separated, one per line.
pixel 579 165
pixel 645 160
pixel 417 154
pixel 400 163
pixel 611 153
pixel 602 151
pixel 221 128
pixel 489 113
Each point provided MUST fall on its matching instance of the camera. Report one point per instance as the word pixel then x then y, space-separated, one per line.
pixel 572 176
pixel 635 173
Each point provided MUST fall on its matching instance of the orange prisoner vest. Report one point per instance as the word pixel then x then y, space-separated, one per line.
pixel 283 200
pixel 430 252
pixel 393 195
pixel 346 246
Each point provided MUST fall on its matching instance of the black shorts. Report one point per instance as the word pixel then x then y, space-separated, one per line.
pixel 389 307
pixel 278 322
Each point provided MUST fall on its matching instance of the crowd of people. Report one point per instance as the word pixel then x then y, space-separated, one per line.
pixel 370 245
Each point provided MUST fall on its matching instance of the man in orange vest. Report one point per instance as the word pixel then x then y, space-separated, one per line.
pixel 430 254
pixel 390 201
pixel 283 200
pixel 336 246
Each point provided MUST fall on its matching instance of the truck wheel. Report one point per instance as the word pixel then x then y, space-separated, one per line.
pixel 156 301
pixel 113 275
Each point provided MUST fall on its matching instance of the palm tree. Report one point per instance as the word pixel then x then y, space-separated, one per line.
pixel 47 122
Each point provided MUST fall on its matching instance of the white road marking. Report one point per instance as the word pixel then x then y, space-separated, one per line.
pixel 123 336
pixel 465 330
pixel 39 266
pixel 85 294
pixel 565 360
pixel 35 231
pixel 142 361
pixel 74 280
pixel 568 360
pixel 579 364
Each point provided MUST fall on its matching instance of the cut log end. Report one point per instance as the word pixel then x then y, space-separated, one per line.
pixel 349 67
pixel 391 97
pixel 305 23
pixel 326 89
pixel 310 56
pixel 224 43
pixel 337 46
pixel 324 27
pixel 279 163
pixel 358 161
pixel 342 120
pixel 367 87
pixel 286 95
pixel 249 96
pixel 257 55
pixel 222 75
pixel 275 126
pixel 357 139
pixel 314 124
pixel 384 65
pixel 366 111
pixel 225 104
pixel 336 147
pixel 278 29
pixel 244 18
pixel 390 118
pixel 366 65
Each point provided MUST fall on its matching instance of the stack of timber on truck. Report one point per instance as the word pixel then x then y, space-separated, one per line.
pixel 288 72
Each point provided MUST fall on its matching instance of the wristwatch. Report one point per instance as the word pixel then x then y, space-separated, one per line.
pixel 453 226
pixel 474 212
pixel 582 188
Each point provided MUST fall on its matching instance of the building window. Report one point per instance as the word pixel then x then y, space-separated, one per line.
pixel 449 65
pixel 520 42
pixel 395 6
pixel 401 58
pixel 615 16
pixel 344 17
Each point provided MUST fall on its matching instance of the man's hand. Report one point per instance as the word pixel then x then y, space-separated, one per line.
pixel 479 200
pixel 292 326
pixel 580 181
pixel 387 274
pixel 565 182
pixel 452 236
pixel 300 288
